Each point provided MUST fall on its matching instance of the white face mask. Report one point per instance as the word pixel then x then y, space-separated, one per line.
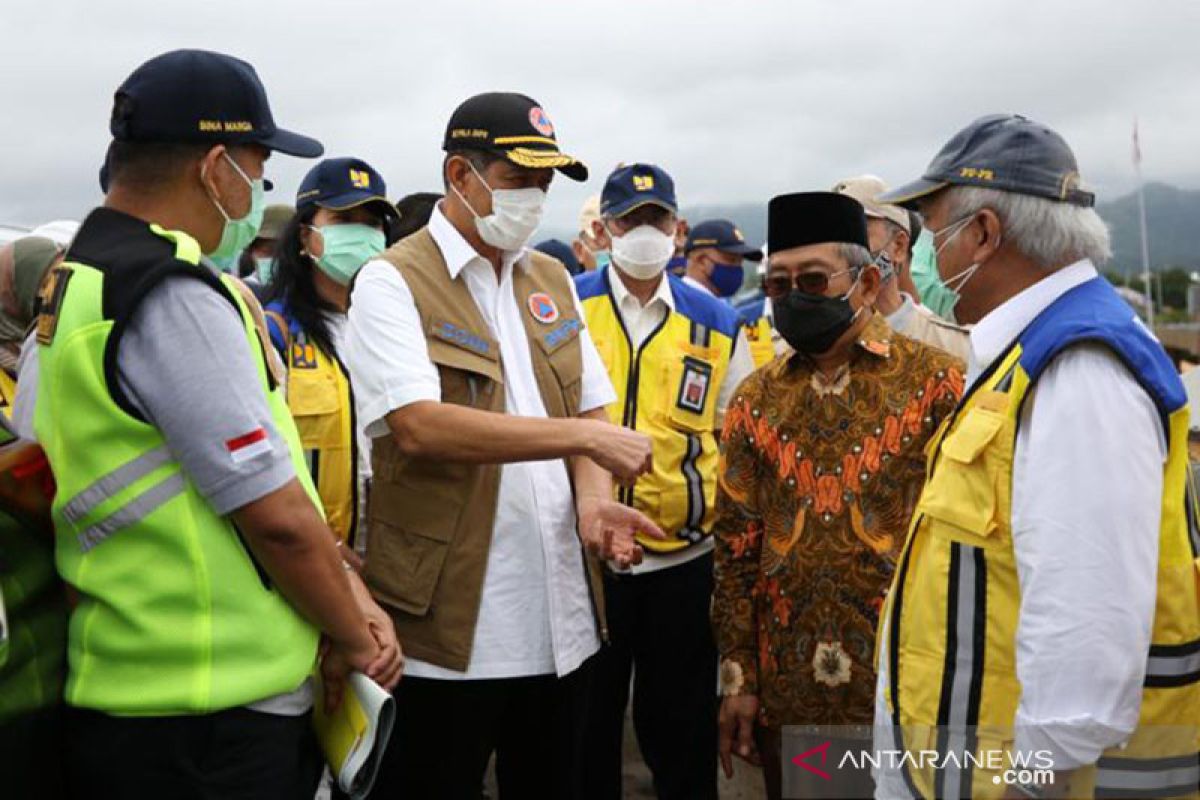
pixel 516 214
pixel 643 252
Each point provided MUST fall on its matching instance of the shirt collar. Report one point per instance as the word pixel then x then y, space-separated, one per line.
pixel 876 338
pixel 457 252
pixel 996 331
pixel 623 296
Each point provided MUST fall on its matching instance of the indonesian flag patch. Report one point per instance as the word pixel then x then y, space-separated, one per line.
pixel 249 445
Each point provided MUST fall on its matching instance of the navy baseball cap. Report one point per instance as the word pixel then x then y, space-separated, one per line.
pixel 724 236
pixel 511 125
pixel 341 183
pixel 556 248
pixel 631 186
pixel 202 97
pixel 1001 151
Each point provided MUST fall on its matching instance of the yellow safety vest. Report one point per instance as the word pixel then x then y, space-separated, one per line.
pixel 758 331
pixel 953 608
pixel 667 389
pixel 322 404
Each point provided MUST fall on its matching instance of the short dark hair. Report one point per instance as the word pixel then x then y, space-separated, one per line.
pixel 415 210
pixel 150 165
pixel 480 160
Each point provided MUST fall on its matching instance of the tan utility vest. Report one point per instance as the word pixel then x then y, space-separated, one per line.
pixel 429 524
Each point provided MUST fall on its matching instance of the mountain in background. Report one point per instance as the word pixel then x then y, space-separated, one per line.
pixel 1172 217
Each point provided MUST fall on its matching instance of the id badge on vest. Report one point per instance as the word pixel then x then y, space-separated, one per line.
pixel 694 385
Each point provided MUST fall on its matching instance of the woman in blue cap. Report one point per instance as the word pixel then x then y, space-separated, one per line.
pixel 343 219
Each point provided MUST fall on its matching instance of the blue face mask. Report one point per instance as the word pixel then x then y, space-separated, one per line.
pixel 727 279
pixel 264 269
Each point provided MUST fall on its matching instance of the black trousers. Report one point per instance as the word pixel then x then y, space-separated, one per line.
pixel 447 731
pixel 235 754
pixel 659 629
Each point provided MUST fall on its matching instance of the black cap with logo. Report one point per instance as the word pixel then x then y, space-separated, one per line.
pixel 200 96
pixel 1001 151
pixel 513 126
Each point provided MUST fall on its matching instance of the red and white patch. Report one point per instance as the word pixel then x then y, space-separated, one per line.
pixel 540 122
pixel 542 307
pixel 248 446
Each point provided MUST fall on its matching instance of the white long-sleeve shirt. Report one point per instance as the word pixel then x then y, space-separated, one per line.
pixel 1086 497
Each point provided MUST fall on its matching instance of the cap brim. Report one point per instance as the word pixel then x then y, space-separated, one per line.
pixel 343 202
pixel 570 166
pixel 744 250
pixel 911 192
pixel 621 209
pixel 293 144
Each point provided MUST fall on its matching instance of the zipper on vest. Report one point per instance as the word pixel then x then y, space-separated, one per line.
pixel 629 414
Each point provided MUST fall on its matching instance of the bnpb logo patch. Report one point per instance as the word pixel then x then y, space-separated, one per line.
pixel 540 122
pixel 542 307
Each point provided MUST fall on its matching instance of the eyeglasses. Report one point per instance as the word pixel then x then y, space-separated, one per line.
pixel 813 282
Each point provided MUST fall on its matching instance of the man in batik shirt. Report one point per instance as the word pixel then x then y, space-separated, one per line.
pixel 821 468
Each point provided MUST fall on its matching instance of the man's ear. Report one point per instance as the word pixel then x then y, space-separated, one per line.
pixel 600 235
pixel 868 284
pixel 207 166
pixel 987 235
pixel 456 172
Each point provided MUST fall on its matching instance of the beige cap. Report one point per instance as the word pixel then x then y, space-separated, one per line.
pixel 589 212
pixel 275 219
pixel 864 189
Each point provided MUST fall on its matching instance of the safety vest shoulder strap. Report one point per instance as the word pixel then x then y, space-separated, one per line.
pixel 702 309
pixel 1093 312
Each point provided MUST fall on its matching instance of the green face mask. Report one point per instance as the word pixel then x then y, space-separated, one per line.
pixel 934 294
pixel 264 269
pixel 347 247
pixel 239 233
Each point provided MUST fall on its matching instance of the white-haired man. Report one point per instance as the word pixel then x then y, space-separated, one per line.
pixel 1045 605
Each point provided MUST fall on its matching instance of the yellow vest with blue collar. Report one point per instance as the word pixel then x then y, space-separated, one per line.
pixel 758 330
pixel 667 389
pixel 322 404
pixel 953 608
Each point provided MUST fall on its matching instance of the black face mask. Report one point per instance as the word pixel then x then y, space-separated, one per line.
pixel 811 323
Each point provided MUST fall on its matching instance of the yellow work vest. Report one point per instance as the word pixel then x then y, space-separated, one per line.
pixel 757 327
pixel 667 389
pixel 322 404
pixel 952 612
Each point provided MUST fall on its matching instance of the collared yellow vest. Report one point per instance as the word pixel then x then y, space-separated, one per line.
pixel 758 331
pixel 953 608
pixel 667 389
pixel 322 404
pixel 174 615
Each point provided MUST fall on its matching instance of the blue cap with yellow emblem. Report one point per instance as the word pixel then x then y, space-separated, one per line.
pixel 203 97
pixel 631 186
pixel 341 183
pixel 1001 151
pixel 722 235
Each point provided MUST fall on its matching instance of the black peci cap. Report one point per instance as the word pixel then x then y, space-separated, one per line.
pixel 1001 151
pixel 202 97
pixel 511 125
pixel 804 218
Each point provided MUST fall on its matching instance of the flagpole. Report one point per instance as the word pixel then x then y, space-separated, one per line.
pixel 1137 165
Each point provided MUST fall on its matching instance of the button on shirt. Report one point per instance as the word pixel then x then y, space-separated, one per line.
pixel 640 321
pixel 1086 496
pixel 535 615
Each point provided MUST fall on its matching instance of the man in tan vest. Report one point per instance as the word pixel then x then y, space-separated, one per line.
pixel 480 385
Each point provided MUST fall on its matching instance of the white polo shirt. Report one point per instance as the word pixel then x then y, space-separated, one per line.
pixel 535 615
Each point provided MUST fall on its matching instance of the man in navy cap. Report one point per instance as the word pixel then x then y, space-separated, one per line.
pixel 478 381
pixel 715 250
pixel 185 520
pixel 1047 593
pixel 674 354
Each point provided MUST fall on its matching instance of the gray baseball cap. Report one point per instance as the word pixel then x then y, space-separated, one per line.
pixel 1001 151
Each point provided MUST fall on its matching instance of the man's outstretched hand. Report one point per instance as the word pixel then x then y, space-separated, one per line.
pixel 608 530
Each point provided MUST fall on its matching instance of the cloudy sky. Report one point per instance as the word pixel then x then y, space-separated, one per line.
pixel 739 101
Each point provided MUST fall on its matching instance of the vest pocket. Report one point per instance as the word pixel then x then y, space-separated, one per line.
pixel 313 400
pixel 691 391
pixel 963 497
pixel 405 561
